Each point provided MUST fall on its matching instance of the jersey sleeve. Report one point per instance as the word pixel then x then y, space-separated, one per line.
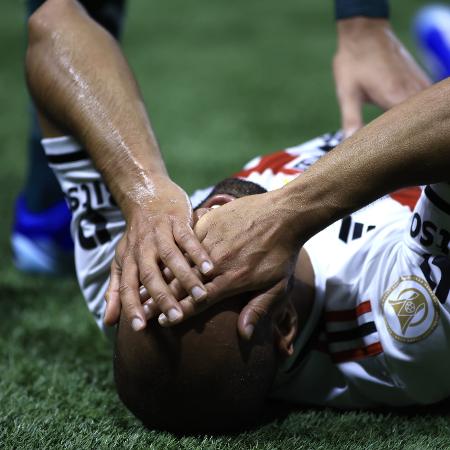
pixel 414 306
pixel 428 236
pixel 97 222
pixel 429 230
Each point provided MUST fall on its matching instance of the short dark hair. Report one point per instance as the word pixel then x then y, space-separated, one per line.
pixel 198 376
pixel 237 187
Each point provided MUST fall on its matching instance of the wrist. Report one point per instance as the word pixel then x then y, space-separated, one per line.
pixel 304 207
pixel 361 28
pixel 327 191
pixel 138 193
pixel 361 36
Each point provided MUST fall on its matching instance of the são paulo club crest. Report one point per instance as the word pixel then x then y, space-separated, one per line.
pixel 410 309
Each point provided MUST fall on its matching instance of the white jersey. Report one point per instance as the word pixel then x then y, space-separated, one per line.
pixel 379 331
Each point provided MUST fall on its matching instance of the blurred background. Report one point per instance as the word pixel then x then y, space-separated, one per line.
pixel 223 82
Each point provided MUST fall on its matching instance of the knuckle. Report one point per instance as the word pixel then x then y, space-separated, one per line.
pixel 160 297
pixel 259 312
pixel 167 253
pixel 184 234
pixel 242 274
pixel 124 289
pixel 148 278
pixel 196 253
pixel 126 257
pixel 187 281
pixel 221 259
pixel 214 293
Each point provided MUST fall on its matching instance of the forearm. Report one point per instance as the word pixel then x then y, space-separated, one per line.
pixel 408 145
pixel 80 80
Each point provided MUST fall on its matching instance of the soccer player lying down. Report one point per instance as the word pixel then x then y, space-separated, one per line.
pixel 364 320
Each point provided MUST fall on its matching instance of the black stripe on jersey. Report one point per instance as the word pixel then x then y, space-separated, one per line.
pixel 441 288
pixel 437 201
pixel 67 157
pixel 357 230
pixel 310 344
pixel 348 335
pixel 345 228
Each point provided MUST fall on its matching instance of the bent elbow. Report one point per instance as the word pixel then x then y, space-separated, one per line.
pixel 47 18
pixel 42 26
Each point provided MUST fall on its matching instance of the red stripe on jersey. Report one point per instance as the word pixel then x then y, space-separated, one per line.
pixel 348 314
pixel 358 353
pixel 408 196
pixel 275 162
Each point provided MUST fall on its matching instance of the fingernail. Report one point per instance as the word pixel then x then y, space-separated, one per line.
pixel 174 314
pixel 206 267
pixel 137 324
pixel 198 293
pixel 147 310
pixel 248 330
pixel 162 319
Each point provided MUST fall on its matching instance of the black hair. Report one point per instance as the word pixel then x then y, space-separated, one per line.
pixel 163 380
pixel 237 187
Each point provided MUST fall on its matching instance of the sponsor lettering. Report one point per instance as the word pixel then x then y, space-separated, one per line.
pixel 428 233
pixel 90 199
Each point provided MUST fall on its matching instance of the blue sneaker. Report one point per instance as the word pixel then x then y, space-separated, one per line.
pixel 41 242
pixel 432 32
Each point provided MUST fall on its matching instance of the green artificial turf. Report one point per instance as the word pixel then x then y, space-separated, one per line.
pixel 224 81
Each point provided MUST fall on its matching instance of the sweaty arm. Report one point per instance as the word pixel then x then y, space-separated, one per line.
pixel 409 145
pixel 83 86
pixel 253 239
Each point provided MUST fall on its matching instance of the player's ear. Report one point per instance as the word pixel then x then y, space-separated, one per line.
pixel 285 328
pixel 218 200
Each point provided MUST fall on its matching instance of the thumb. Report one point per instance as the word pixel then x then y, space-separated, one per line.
pixel 199 213
pixel 112 297
pixel 202 222
pixel 258 308
pixel 350 104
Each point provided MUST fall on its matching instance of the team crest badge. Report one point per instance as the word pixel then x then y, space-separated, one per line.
pixel 410 309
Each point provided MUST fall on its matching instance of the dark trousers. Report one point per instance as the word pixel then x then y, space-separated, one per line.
pixel 41 188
